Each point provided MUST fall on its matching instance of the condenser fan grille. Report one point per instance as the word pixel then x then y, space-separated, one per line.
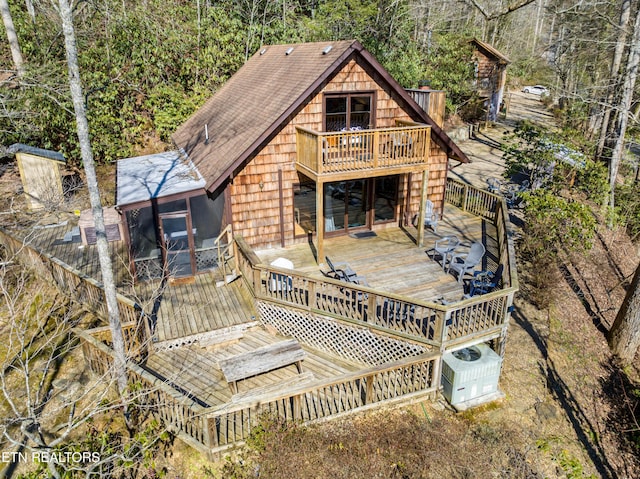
pixel 467 354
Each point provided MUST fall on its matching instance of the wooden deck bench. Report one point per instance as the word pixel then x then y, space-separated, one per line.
pixel 261 360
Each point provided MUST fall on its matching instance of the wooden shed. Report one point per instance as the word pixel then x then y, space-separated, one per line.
pixel 40 172
pixel 491 75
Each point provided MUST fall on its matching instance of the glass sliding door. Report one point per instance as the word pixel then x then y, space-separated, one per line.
pixel 385 198
pixel 357 204
pixel 346 205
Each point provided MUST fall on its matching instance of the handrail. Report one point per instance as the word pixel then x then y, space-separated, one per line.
pixel 403 146
pixel 82 289
pixel 224 248
pixel 398 381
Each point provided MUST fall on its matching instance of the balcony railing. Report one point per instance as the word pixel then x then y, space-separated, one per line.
pixel 406 145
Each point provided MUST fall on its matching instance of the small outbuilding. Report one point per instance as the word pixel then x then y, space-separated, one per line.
pixel 490 75
pixel 41 175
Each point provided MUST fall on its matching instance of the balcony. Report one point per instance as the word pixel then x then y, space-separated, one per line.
pixel 345 154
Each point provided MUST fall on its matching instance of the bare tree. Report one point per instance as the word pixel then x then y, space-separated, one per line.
pixel 616 63
pixel 624 106
pixel 49 400
pixel 102 246
pixel 624 335
pixel 14 45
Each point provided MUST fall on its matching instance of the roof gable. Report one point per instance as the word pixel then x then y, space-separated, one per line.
pixel 259 100
pixel 490 51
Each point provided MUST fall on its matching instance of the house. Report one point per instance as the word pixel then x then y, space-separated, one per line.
pixel 305 141
pixel 490 75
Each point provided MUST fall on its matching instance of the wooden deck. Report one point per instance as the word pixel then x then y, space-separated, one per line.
pixel 185 313
pixel 362 346
pixel 180 313
pixel 391 261
pixel 196 372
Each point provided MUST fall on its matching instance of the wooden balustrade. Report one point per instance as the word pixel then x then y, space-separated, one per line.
pixel 399 381
pixel 360 150
pixel 180 414
pixel 81 288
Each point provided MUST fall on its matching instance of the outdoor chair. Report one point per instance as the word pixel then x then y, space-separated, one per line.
pixel 513 195
pixel 484 282
pixel 281 282
pixel 462 263
pixel 430 217
pixel 444 248
pixel 343 272
pixel 494 185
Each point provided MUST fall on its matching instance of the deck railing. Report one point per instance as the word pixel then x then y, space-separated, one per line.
pixel 412 378
pixel 211 429
pixel 435 324
pixel 180 414
pixel 362 150
pixel 83 290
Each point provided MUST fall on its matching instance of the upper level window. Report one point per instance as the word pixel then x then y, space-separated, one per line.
pixel 348 112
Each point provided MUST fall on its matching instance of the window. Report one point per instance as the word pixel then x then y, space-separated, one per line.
pixel 348 112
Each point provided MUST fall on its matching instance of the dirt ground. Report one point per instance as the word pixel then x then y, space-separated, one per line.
pixel 561 381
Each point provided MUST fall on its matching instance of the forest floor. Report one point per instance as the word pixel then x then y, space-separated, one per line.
pixel 567 410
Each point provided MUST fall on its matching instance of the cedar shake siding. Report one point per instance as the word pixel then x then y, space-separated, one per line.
pixel 256 212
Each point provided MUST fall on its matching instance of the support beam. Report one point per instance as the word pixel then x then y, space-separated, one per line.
pixel 421 212
pixel 320 221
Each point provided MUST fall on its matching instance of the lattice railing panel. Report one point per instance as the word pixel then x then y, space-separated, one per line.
pixel 326 334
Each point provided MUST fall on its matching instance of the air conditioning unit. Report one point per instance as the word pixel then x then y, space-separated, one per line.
pixel 470 373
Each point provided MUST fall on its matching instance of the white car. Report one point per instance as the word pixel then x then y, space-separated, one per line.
pixel 536 90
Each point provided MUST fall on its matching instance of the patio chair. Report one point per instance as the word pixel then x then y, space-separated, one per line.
pixel 484 282
pixel 281 282
pixel 343 272
pixel 462 263
pixel 494 185
pixel 430 217
pixel 444 248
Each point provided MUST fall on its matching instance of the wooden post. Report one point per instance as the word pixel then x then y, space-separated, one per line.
pixel 421 213
pixel 368 399
pixel 320 221
pixel 376 148
pixel 297 409
pixel 465 195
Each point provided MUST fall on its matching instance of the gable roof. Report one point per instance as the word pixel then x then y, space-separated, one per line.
pixel 490 51
pixel 266 93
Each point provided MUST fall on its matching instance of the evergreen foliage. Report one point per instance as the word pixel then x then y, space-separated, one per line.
pixel 146 66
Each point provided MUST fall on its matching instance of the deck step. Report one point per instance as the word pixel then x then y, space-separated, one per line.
pixel 207 338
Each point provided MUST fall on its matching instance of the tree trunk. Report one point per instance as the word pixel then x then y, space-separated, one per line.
pixel 628 84
pixel 624 335
pixel 608 121
pixel 14 45
pixel 94 194
pixel 31 10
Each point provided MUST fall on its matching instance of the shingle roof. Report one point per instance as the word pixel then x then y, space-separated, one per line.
pixel 260 99
pixel 488 49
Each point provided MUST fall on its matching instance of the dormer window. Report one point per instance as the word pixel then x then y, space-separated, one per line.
pixel 348 112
